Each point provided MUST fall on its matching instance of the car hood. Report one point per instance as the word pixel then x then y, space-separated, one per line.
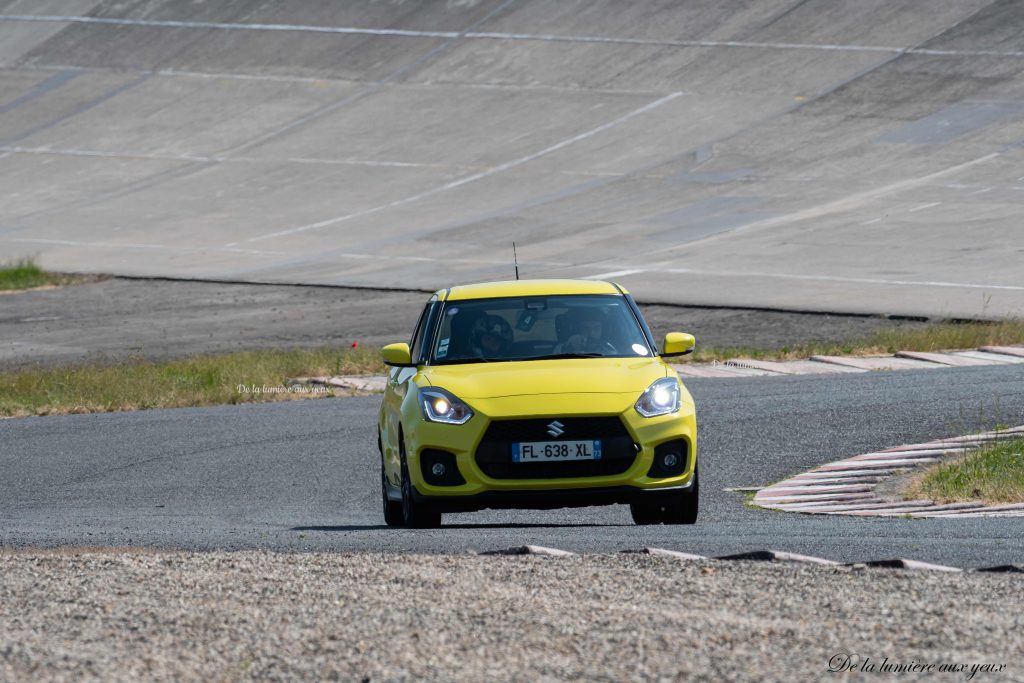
pixel 562 376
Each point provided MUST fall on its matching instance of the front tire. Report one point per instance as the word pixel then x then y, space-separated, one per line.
pixel 680 509
pixel 415 515
pixel 645 514
pixel 392 509
pixel 683 510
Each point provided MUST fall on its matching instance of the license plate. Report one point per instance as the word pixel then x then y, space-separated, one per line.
pixel 546 451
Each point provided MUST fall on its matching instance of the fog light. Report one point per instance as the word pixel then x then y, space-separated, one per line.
pixel 438 469
pixel 669 459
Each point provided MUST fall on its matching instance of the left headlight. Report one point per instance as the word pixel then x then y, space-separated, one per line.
pixel 661 398
pixel 439 405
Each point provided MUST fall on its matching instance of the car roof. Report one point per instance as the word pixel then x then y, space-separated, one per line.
pixel 493 290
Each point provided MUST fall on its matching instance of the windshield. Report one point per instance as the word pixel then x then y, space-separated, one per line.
pixel 538 328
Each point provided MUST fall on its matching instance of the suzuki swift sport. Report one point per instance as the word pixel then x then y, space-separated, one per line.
pixel 536 394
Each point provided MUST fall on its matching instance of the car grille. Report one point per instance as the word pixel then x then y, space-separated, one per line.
pixel 494 454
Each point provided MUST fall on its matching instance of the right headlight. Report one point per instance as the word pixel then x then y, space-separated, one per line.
pixel 661 398
pixel 439 405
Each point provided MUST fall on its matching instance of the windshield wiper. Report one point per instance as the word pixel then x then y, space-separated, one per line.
pixel 573 354
pixel 474 359
pixel 482 359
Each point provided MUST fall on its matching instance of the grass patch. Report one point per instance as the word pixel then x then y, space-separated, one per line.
pixel 199 381
pixel 23 274
pixel 26 274
pixel 942 336
pixel 993 474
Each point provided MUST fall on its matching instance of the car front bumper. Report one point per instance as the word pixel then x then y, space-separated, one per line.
pixel 552 498
pixel 481 491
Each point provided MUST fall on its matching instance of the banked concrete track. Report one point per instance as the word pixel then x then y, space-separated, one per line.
pixel 806 154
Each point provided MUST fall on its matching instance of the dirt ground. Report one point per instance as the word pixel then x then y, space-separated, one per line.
pixel 162 319
pixel 130 616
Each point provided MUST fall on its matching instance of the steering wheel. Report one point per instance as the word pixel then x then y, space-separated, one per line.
pixel 604 347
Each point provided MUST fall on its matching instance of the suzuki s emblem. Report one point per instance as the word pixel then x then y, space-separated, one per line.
pixel 555 428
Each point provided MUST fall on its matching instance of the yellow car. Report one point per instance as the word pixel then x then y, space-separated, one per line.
pixel 536 394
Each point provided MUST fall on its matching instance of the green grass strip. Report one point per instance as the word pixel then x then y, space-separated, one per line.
pixel 199 381
pixel 943 336
pixel 216 379
pixel 993 474
pixel 24 274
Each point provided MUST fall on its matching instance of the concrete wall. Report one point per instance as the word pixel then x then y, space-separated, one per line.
pixel 799 154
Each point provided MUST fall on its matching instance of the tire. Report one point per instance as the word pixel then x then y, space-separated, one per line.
pixel 392 510
pixel 415 515
pixel 683 510
pixel 645 513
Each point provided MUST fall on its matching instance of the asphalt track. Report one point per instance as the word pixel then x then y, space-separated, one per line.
pixel 303 475
pixel 797 154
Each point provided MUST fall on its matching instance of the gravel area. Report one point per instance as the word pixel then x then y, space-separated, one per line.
pixel 112 615
pixel 163 319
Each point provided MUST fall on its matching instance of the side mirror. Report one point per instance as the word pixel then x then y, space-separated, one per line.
pixel 678 344
pixel 397 355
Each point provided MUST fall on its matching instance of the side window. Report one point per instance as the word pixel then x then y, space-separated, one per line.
pixel 417 331
pixel 421 337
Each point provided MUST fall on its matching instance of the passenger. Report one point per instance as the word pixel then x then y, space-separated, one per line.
pixel 491 337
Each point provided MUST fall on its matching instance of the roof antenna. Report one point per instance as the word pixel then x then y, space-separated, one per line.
pixel 515 258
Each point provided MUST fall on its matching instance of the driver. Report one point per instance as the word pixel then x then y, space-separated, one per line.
pixel 491 337
pixel 588 335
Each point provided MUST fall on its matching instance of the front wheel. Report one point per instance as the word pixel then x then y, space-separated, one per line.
pixel 645 513
pixel 392 509
pixel 415 514
pixel 681 508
